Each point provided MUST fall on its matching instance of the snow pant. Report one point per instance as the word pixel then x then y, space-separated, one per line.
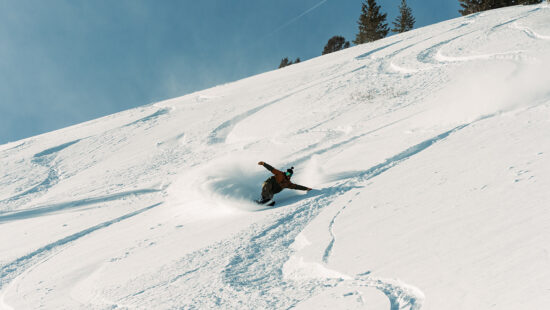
pixel 267 191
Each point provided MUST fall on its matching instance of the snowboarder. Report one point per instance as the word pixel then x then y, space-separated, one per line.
pixel 276 183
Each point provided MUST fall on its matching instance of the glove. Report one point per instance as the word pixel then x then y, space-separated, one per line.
pixel 261 163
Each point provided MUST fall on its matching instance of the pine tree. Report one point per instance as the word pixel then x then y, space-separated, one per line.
pixel 285 62
pixel 469 6
pixel 335 44
pixel 371 23
pixel 405 20
pixel 474 6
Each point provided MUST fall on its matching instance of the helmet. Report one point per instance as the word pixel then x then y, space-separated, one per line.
pixel 289 172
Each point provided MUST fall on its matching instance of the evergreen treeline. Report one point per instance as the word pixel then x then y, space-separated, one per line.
pixel 335 44
pixel 474 6
pixel 372 26
pixel 372 22
pixel 286 62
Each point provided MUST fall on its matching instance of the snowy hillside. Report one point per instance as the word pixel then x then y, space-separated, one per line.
pixel 428 152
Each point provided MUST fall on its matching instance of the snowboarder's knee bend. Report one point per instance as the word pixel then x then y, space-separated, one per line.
pixel 267 191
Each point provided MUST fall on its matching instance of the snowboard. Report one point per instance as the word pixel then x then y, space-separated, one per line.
pixel 269 203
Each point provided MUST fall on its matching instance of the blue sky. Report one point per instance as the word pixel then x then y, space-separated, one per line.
pixel 63 62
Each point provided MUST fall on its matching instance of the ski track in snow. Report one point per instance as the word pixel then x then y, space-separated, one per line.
pixel 529 32
pixel 511 22
pixel 44 159
pixel 57 207
pixel 50 160
pixel 427 56
pixel 373 51
pixel 497 56
pixel 433 55
pixel 220 133
pixel 328 250
pixel 314 150
pixel 13 269
pixel 148 119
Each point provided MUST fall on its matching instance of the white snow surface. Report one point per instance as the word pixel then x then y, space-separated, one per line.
pixel 428 152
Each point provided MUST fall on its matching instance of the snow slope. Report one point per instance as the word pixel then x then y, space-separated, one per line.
pixel 429 152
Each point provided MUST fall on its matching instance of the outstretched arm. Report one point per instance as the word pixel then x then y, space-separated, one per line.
pixel 299 187
pixel 269 167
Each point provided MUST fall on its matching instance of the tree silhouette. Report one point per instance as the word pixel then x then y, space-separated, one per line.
pixel 474 6
pixel 371 23
pixel 286 62
pixel 335 44
pixel 405 20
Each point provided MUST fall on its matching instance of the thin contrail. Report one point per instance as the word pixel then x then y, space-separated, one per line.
pixel 297 17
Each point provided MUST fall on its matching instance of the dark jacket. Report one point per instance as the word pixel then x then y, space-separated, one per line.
pixel 282 180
